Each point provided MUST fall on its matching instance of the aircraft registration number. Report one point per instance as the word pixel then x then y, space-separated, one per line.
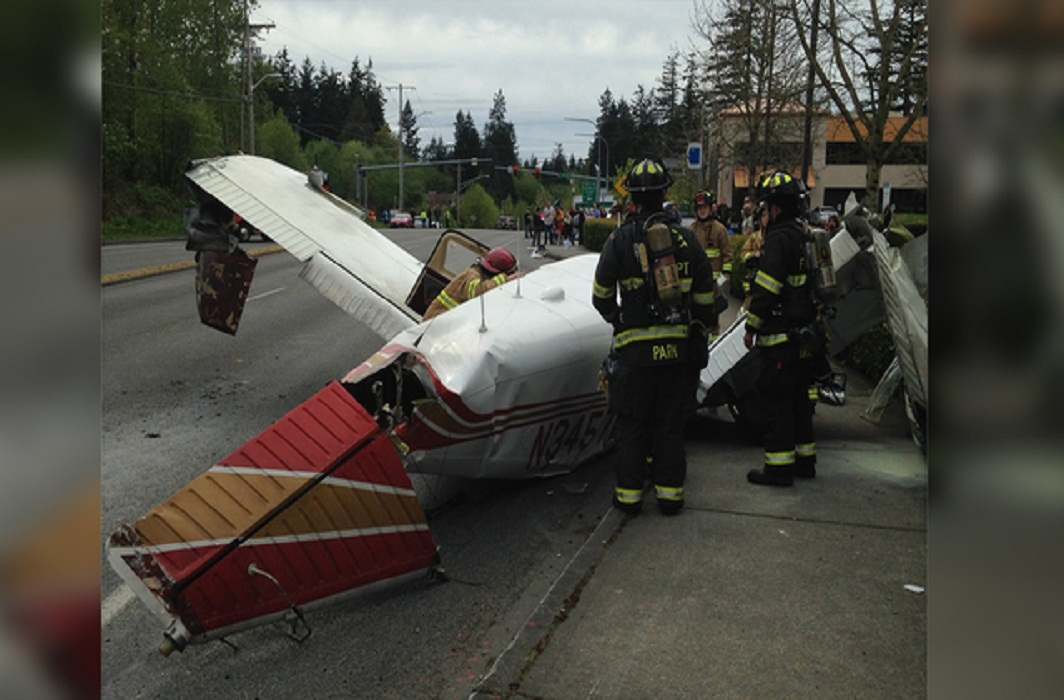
pixel 565 440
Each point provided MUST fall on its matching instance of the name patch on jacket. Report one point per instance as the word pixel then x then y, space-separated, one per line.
pixel 661 352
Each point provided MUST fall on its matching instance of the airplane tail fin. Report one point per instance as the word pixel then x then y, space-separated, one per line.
pixel 316 508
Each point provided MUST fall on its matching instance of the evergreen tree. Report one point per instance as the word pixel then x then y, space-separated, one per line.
pixel 408 131
pixel 357 123
pixel 466 138
pixel 500 144
pixel 646 125
pixel 373 96
pixel 306 95
pixel 436 150
pixel 557 160
pixel 668 92
pixel 281 92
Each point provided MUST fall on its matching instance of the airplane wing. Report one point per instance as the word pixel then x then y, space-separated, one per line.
pixel 346 259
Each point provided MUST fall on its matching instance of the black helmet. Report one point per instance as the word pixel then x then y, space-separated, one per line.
pixel 648 175
pixel 783 190
pixel 703 198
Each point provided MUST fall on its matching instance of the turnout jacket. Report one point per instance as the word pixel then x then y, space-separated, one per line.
pixel 713 238
pixel 639 329
pixel 470 283
pixel 782 290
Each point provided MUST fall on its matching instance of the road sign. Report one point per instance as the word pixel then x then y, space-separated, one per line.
pixel 694 156
pixel 590 191
pixel 619 187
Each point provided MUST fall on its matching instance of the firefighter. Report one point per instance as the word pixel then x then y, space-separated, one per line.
pixel 782 324
pixel 486 273
pixel 659 331
pixel 750 253
pixel 711 234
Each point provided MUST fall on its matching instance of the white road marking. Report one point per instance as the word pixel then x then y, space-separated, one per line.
pixel 266 294
pixel 115 603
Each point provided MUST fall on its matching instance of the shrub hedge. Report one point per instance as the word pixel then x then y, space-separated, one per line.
pixel 596 231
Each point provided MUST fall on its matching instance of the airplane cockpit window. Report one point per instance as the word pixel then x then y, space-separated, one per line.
pixel 453 253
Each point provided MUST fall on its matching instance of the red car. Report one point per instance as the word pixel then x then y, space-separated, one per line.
pixel 401 219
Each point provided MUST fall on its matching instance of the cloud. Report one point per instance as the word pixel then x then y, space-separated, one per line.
pixel 551 58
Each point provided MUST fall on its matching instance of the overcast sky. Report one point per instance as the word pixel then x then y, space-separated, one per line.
pixel 552 58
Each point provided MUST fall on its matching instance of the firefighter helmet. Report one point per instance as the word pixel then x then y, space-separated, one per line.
pixel 783 190
pixel 499 260
pixel 704 199
pixel 648 175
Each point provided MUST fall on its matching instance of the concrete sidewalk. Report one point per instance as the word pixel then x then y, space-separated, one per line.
pixel 751 591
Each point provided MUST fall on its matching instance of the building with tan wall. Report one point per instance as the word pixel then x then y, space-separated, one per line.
pixel 838 166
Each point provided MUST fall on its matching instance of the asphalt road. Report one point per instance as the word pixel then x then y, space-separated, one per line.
pixel 123 257
pixel 177 396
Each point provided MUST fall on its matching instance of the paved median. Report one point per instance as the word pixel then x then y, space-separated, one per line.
pixel 153 270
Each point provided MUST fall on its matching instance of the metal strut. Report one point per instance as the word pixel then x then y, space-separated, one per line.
pixel 295 618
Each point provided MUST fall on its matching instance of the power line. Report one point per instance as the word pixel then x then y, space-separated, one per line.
pixel 175 93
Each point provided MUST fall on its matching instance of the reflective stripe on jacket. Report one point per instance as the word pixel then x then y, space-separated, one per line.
pixel 470 283
pixel 713 238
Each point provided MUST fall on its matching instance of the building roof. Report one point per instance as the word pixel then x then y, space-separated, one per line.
pixel 838 131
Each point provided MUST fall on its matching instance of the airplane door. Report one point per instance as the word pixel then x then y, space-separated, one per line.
pixel 454 252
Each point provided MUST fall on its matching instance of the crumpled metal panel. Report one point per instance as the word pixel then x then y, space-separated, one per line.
pixel 319 501
pixel 222 284
pixel 907 315
pixel 278 201
pixel 724 353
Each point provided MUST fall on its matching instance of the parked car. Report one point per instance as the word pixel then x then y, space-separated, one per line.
pixel 507 222
pixel 401 219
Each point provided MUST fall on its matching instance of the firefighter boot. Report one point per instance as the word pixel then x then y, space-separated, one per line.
pixel 805 462
pixel 771 476
pixel 670 499
pixel 628 501
pixel 805 467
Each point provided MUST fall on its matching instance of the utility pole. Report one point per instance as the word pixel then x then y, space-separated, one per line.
pixel 400 87
pixel 807 142
pixel 250 74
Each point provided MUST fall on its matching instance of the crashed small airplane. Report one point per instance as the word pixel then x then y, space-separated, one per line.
pixel 319 507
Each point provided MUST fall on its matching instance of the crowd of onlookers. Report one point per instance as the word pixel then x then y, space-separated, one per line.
pixel 556 225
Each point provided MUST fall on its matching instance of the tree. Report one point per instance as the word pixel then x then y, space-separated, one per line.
pixel 277 139
pixel 408 130
pixel 171 90
pixel 500 144
pixel 436 150
pixel 306 94
pixel 756 75
pixel 478 209
pixel 852 36
pixel 466 138
pixel 557 159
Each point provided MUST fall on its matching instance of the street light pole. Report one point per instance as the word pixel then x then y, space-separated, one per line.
pixel 602 142
pixel 400 87
pixel 604 173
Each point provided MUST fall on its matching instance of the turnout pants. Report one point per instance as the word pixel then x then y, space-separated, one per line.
pixel 651 411
pixel 786 383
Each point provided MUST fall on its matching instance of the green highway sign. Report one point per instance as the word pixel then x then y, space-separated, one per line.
pixel 590 192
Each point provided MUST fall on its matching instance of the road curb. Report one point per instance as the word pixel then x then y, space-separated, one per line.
pixel 154 270
pixel 515 661
pixel 130 241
